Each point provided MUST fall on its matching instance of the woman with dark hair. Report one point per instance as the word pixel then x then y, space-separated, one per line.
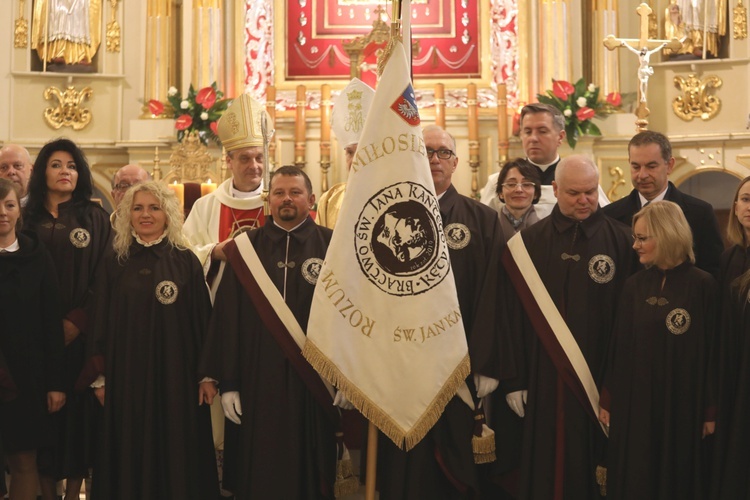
pixel 519 188
pixel 150 314
pixel 31 341
pixel 731 461
pixel 76 232
pixel 656 392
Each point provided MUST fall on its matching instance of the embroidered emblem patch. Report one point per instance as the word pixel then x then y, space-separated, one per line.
pixel 601 268
pixel 80 238
pixel 678 321
pixel 399 240
pixel 405 106
pixel 311 269
pixel 166 292
pixel 457 236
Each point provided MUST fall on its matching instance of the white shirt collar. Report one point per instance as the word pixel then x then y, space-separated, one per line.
pixel 150 243
pixel 660 197
pixel 13 247
pixel 544 167
pixel 236 193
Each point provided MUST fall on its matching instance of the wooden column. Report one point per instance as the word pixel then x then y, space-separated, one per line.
pixel 440 105
pixel 471 101
pixel 325 135
pixel 502 125
pixel 299 129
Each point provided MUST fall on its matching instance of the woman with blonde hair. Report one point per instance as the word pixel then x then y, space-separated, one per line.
pixel 150 315
pixel 731 461
pixel 655 395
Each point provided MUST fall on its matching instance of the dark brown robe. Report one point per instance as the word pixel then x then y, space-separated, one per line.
pixel 561 439
pixel 655 386
pixel 149 322
pixel 77 244
pixel 285 446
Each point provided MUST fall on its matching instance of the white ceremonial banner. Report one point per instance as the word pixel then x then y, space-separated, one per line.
pixel 385 326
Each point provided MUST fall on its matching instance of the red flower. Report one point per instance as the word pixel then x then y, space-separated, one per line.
pixel 562 89
pixel 614 98
pixel 214 126
pixel 585 113
pixel 206 97
pixel 183 122
pixel 155 107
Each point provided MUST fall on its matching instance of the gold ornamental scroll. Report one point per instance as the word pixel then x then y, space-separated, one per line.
pixel 160 72
pixel 299 127
pixel 502 125
pixel 271 110
pixel 325 135
pixel 471 102
pixel 440 105
pixel 208 56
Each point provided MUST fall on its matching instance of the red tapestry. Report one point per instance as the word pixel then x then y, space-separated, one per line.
pixel 448 31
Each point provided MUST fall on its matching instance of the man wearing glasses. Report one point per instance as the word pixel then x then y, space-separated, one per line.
pixel 443 461
pixel 125 178
pixel 16 166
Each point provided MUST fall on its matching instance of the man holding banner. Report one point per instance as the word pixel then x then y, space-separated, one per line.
pixel 568 271
pixel 286 417
pixel 386 326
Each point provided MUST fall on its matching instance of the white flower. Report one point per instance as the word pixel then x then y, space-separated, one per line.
pixel 568 113
pixel 172 91
pixel 581 101
pixel 204 116
pixel 592 87
pixel 184 104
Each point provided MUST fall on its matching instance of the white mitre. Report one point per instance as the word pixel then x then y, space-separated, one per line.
pixel 350 109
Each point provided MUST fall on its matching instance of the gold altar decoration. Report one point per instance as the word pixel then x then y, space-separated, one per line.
pixel 325 135
pixel 379 34
pixel 69 111
pixel 156 172
pixel 739 21
pixel 21 32
pixel 190 161
pixel 113 29
pixel 695 100
pixel 618 179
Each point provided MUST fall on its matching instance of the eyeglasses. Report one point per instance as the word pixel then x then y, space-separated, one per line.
pixel 640 240
pixel 123 186
pixel 512 186
pixel 7 166
pixel 443 154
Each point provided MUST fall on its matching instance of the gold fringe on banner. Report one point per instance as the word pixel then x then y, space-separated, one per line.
pixel 373 413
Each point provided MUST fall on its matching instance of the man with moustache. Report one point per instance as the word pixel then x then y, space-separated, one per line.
pixel 125 178
pixel 567 271
pixel 651 163
pixel 16 166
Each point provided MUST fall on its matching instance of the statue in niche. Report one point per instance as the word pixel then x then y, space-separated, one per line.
pixel 66 33
pixel 701 23
pixel 674 27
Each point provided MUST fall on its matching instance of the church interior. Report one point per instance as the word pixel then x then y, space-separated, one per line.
pixel 475 64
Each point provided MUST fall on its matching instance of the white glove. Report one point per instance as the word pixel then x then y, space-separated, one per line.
pixel 341 401
pixel 516 400
pixel 485 385
pixel 230 401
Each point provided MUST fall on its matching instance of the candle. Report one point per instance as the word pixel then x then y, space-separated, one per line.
pixel 179 191
pixel 440 105
pixel 299 130
pixel 207 187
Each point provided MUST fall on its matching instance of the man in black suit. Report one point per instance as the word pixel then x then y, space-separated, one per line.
pixel 651 162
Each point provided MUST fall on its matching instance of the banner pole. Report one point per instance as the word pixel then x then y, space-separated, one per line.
pixel 372 461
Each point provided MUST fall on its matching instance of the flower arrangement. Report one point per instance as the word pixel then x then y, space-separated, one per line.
pixel 579 103
pixel 198 111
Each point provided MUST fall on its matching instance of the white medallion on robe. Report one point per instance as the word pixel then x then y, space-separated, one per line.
pixel 678 321
pixel 166 292
pixel 399 240
pixel 80 238
pixel 457 236
pixel 311 269
pixel 601 268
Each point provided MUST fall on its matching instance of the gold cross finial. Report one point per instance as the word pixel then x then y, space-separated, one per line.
pixel 644 11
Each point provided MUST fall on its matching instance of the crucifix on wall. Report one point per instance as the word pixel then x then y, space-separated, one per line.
pixel 644 48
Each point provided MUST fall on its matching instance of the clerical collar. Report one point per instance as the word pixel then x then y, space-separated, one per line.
pixel 13 247
pixel 544 168
pixel 150 243
pixel 660 197
pixel 236 193
pixel 292 229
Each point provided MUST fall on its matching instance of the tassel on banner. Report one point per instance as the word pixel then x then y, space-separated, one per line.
pixel 601 479
pixel 346 482
pixel 483 440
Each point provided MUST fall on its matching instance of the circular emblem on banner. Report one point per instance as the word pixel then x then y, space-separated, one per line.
pixel 678 321
pixel 457 236
pixel 311 269
pixel 80 238
pixel 399 240
pixel 601 268
pixel 166 292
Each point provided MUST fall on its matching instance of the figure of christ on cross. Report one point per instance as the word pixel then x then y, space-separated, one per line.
pixel 643 48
